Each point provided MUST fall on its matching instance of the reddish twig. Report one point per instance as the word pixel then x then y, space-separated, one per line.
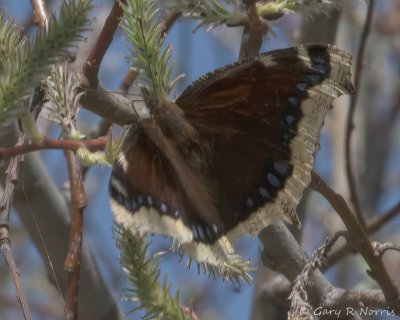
pixel 47 143
pixel 40 13
pixel 350 118
pixel 88 75
pixel 5 241
pixel 73 260
pixel 359 239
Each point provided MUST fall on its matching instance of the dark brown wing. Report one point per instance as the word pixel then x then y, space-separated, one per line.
pixel 265 116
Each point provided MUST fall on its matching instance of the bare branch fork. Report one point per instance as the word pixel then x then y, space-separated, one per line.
pixel 360 241
pixel 372 225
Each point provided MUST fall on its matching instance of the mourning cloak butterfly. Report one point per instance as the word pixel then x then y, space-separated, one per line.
pixel 233 153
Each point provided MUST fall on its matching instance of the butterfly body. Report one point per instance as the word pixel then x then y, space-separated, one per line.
pixel 233 153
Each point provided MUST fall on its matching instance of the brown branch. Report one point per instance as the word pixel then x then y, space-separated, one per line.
pixel 113 106
pixel 359 239
pixel 88 75
pixel 170 18
pixel 116 107
pixel 5 241
pixel 73 260
pixel 48 143
pixel 350 118
pixel 253 33
pixel 5 249
pixel 40 13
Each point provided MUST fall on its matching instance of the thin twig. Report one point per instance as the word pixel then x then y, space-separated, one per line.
pixel 379 220
pixel 350 118
pixel 5 249
pixel 373 225
pixel 5 241
pixel 48 143
pixel 40 13
pixel 73 260
pixel 381 248
pixel 298 295
pixel 88 75
pixel 359 238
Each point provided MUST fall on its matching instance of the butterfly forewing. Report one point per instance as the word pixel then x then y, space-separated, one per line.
pixel 253 110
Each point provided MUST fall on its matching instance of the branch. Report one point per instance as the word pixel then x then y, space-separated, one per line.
pixel 48 143
pixel 373 225
pixel 350 118
pixel 298 296
pixel 40 13
pixel 73 260
pixel 359 238
pixel 5 241
pixel 253 33
pixel 283 254
pixel 114 106
pixel 5 248
pixel 90 69
pixel 381 248
pixel 380 219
